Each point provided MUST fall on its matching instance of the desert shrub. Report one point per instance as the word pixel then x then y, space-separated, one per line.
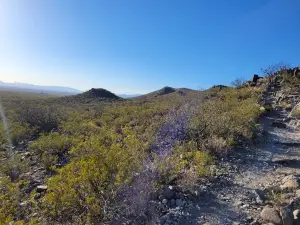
pixel 12 166
pixel 52 148
pixel 223 121
pixel 193 157
pixel 238 82
pixel 185 159
pixel 53 143
pixel 290 82
pixel 276 68
pixel 9 201
pixel 86 188
pixel 43 118
pixel 20 132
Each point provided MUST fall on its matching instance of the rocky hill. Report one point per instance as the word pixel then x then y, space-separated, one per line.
pixel 91 96
pixel 167 91
pixel 98 93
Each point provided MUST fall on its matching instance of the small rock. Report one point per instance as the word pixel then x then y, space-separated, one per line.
pixel 27 154
pixel 270 215
pixel 173 202
pixel 179 203
pixel 164 201
pixel 259 196
pixel 142 219
pixel 168 192
pixel 41 188
pixel 37 196
pixel 262 109
pixel 164 219
pixel 238 203
pixel 298 193
pixel 296 214
pixel 24 204
pixel 245 206
pixel 249 218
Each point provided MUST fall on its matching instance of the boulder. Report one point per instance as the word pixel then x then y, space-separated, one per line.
pixel 270 215
pixel 287 216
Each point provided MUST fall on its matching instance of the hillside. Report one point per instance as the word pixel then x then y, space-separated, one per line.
pixel 91 96
pixel 98 93
pixel 173 156
pixel 167 91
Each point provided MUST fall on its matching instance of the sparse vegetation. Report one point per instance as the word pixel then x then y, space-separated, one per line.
pixel 94 148
pixel 238 82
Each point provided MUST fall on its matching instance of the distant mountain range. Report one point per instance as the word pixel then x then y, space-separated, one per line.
pixel 128 95
pixel 37 88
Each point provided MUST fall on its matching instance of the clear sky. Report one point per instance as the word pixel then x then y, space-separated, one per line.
pixel 137 46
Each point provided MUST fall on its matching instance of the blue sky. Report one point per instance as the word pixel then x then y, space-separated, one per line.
pixel 137 46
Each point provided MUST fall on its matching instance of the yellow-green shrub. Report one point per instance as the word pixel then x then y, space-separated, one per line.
pixel 87 186
pixel 53 143
pixel 221 121
pixel 8 200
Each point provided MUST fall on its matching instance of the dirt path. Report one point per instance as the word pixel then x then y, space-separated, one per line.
pixel 235 198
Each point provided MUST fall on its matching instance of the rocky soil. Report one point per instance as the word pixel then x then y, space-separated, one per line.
pixel 258 184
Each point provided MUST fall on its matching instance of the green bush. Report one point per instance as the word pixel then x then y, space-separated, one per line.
pixel 9 201
pixel 86 188
pixel 224 120
pixel 53 143
pixel 42 118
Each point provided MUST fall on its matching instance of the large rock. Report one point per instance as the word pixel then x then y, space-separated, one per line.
pixel 287 216
pixel 271 215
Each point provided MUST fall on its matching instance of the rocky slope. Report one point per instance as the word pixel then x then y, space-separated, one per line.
pixel 258 184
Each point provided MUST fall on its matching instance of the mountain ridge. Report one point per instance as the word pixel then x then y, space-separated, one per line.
pixel 39 88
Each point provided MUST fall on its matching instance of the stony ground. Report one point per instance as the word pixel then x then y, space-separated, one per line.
pixel 254 185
